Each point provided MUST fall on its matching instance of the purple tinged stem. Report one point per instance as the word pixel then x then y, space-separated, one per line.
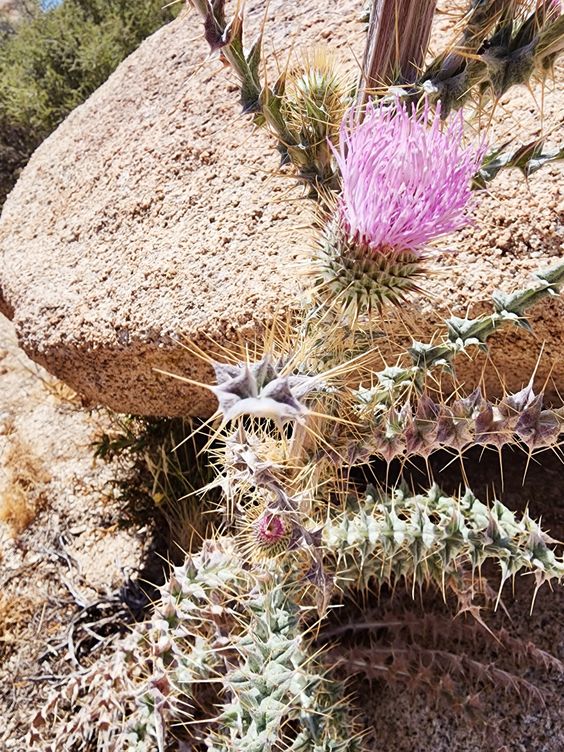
pixel 398 39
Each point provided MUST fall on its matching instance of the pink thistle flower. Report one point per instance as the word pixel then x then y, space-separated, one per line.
pixel 271 533
pixel 406 178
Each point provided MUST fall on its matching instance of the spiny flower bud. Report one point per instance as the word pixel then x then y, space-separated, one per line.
pixel 406 180
pixel 515 49
pixel 272 534
pixel 316 96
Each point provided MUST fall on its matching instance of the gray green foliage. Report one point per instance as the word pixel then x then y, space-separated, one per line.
pixel 503 43
pixel 427 538
pixel 527 158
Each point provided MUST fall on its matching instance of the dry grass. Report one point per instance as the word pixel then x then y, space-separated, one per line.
pixel 170 469
pixel 22 493
pixel 56 388
pixel 16 509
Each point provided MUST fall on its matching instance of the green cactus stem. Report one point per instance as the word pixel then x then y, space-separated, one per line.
pixel 184 640
pixel 463 335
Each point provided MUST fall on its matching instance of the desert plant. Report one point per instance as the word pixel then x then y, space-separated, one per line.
pixel 162 473
pixel 296 430
pixel 293 424
pixel 502 43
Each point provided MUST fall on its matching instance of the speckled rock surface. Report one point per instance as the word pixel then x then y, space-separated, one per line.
pixel 153 215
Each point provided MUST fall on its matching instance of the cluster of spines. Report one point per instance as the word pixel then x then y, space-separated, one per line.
pixel 313 101
pixel 501 46
pixel 217 622
pixel 428 426
pixel 277 682
pixel 429 538
pixel 181 644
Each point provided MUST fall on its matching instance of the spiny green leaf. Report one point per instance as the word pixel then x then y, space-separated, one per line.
pixel 528 158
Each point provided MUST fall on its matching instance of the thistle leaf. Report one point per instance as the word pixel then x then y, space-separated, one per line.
pixel 528 158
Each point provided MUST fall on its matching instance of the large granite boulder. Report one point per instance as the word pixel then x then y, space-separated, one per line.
pixel 154 217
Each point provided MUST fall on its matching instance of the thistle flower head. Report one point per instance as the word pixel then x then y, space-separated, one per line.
pixel 406 177
pixel 406 180
pixel 272 533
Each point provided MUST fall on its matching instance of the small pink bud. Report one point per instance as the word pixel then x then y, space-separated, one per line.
pixel 272 533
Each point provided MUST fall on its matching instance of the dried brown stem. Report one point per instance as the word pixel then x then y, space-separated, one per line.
pixel 398 39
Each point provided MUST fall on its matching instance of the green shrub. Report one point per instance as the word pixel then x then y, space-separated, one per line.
pixel 53 61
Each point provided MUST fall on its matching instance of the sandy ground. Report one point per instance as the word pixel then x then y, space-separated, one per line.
pixel 70 564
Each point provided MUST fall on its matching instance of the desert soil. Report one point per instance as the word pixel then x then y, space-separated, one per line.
pixel 68 550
